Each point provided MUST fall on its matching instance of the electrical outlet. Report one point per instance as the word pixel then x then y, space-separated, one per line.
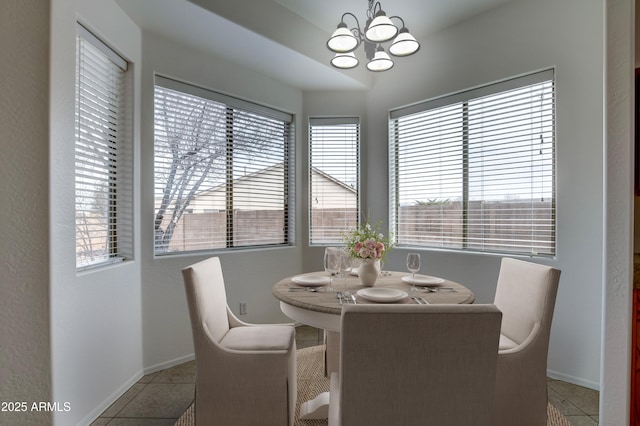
pixel 243 308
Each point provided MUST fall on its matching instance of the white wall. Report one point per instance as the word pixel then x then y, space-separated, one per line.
pixel 619 164
pixel 96 326
pixel 25 351
pixel 249 274
pixel 520 37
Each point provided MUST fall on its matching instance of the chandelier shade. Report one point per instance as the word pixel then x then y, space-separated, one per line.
pixel 378 29
pixel 342 40
pixel 345 61
pixel 381 29
pixel 404 45
pixel 380 62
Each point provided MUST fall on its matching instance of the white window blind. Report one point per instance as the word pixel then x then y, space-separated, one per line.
pixel 476 170
pixel 334 178
pixel 222 171
pixel 101 206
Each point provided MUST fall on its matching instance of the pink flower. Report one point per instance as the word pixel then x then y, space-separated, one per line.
pixel 370 244
pixel 366 243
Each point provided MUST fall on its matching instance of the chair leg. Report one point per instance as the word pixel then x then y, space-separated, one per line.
pixel 317 408
pixel 332 353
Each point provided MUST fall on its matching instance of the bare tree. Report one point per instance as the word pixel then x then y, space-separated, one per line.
pixel 195 144
pixel 191 146
pixel 95 200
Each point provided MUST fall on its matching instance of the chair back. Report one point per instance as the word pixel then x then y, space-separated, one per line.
pixel 526 295
pixel 207 299
pixel 245 373
pixel 417 364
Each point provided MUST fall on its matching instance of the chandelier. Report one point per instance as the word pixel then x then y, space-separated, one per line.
pixel 378 29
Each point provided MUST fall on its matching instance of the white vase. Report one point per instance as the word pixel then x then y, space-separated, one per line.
pixel 369 271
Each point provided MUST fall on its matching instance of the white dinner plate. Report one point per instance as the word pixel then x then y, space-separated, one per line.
pixel 422 280
pixel 310 280
pixel 381 294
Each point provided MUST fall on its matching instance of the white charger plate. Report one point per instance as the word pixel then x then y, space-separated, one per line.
pixel 422 280
pixel 310 280
pixel 382 294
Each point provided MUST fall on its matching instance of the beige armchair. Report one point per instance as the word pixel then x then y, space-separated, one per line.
pixel 415 365
pixel 245 374
pixel 526 295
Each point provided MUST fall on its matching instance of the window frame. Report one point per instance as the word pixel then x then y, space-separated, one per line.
pixel 93 140
pixel 234 106
pixel 332 122
pixel 463 98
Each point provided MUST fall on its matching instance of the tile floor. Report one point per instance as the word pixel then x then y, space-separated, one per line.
pixel 158 399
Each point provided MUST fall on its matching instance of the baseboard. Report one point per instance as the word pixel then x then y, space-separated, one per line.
pixel 96 412
pixel 169 364
pixel 574 380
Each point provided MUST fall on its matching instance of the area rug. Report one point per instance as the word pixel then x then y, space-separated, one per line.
pixel 311 382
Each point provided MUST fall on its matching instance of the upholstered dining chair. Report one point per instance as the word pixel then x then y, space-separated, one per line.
pixel 526 295
pixel 415 365
pixel 245 373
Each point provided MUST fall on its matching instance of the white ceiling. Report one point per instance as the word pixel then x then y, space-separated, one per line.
pixel 286 38
pixel 421 17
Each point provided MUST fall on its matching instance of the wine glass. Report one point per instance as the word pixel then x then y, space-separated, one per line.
pixel 413 265
pixel 344 264
pixel 331 265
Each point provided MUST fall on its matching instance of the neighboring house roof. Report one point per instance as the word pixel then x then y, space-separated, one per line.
pixel 266 171
pixel 249 196
pixel 333 179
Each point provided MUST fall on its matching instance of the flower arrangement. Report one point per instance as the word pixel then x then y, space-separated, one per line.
pixel 366 242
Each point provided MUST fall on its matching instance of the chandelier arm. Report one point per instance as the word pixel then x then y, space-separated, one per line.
pixel 374 8
pixel 357 32
pixel 401 20
pixel 352 15
pixel 359 35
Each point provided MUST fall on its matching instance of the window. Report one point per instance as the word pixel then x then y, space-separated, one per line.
pixel 223 171
pixel 476 170
pixel 103 193
pixel 334 178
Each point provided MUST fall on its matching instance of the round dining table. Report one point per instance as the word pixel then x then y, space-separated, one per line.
pixel 315 306
pixel 303 299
